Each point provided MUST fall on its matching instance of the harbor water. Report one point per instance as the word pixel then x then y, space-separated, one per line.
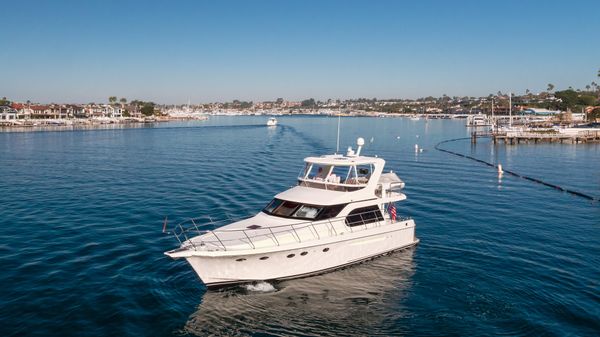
pixel 82 244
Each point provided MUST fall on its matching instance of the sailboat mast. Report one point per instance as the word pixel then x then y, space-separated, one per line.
pixel 493 119
pixel 337 146
pixel 510 107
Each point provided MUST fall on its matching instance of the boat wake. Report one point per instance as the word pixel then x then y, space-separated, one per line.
pixel 260 287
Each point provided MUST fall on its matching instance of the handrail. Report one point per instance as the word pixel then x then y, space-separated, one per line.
pixel 222 241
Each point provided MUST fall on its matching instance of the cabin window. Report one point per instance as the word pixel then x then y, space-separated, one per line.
pixel 307 211
pixel 363 216
pixel 272 205
pixel 289 209
pixel 286 208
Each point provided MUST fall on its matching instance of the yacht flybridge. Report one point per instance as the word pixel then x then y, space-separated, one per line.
pixel 341 212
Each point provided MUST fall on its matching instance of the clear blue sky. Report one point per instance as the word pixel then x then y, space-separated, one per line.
pixel 172 51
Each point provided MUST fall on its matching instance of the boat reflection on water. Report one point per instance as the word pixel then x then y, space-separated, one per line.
pixel 359 300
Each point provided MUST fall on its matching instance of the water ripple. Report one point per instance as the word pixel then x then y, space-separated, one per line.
pixel 82 248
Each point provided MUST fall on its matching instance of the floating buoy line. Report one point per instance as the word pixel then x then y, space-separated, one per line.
pixel 501 170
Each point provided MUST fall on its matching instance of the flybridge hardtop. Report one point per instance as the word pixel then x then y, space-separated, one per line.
pixel 343 204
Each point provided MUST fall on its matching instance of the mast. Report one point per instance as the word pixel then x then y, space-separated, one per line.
pixel 493 120
pixel 337 147
pixel 510 108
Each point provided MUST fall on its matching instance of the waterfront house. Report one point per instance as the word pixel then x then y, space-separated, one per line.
pixel 113 111
pixel 75 111
pixel 7 113
pixel 94 110
pixel 39 111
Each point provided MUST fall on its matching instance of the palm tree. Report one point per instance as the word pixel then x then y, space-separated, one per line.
pixel 550 86
pixel 587 87
pixel 112 99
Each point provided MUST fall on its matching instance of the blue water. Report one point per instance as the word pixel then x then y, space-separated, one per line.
pixel 82 212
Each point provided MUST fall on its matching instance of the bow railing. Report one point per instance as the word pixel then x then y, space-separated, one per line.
pixel 204 233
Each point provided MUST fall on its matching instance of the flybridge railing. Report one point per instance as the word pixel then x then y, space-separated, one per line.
pixel 330 185
pixel 204 233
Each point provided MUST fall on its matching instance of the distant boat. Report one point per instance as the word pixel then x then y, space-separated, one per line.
pixel 272 121
pixel 478 120
pixel 415 118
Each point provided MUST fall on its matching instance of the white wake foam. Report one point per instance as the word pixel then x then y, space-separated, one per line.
pixel 261 286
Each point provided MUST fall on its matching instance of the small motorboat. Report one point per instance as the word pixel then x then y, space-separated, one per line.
pixel 272 121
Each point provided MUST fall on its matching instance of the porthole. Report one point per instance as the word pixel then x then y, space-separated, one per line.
pixel 240 260
pixel 290 256
pixel 325 250
pixel 303 253
pixel 264 258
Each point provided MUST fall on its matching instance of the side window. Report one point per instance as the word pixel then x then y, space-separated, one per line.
pixel 272 206
pixel 364 215
pixel 330 212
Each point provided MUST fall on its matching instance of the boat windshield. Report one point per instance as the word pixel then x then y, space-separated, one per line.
pixel 319 175
pixel 290 209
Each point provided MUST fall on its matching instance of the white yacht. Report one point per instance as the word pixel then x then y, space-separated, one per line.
pixel 478 120
pixel 272 121
pixel 342 211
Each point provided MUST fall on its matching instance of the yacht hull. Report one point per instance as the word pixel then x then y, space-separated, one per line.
pixel 303 260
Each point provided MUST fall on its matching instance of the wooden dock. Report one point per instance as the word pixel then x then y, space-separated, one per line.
pixel 518 137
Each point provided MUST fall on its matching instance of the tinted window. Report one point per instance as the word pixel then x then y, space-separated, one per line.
pixel 288 209
pixel 329 212
pixel 364 215
pixel 272 205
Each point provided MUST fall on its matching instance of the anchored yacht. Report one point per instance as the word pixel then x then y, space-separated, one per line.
pixel 341 212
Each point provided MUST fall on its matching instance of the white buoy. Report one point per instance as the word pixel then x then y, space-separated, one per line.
pixel 398 137
pixel 500 169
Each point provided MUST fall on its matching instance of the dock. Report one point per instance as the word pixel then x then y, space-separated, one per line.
pixel 570 136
